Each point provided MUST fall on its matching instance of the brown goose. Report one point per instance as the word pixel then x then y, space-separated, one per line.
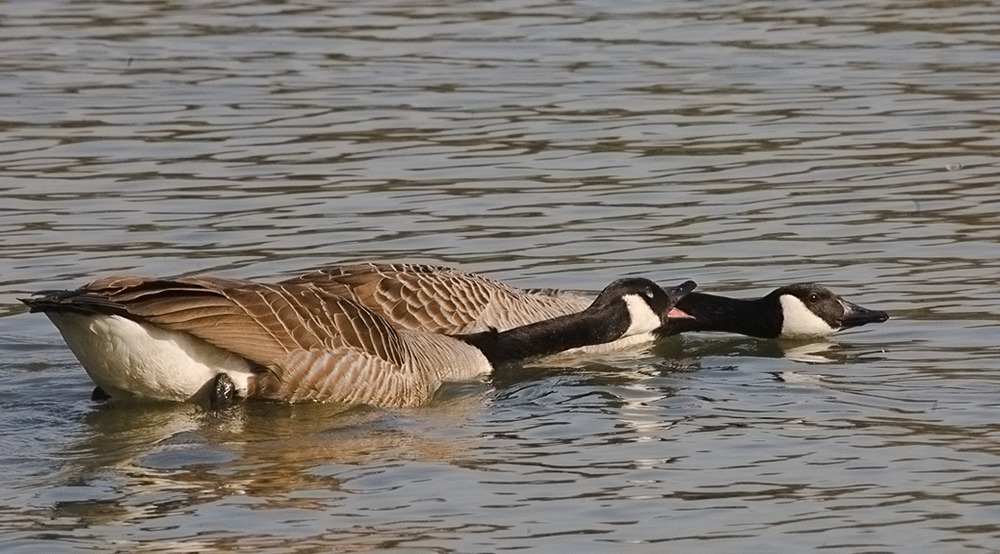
pixel 211 339
pixel 446 300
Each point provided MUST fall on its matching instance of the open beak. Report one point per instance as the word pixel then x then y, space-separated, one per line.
pixel 856 316
pixel 675 294
pixel 677 313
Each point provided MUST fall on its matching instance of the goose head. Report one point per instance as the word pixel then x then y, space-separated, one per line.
pixel 647 305
pixel 804 310
pixel 811 310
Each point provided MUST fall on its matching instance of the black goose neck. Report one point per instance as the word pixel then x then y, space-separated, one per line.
pixel 591 326
pixel 756 317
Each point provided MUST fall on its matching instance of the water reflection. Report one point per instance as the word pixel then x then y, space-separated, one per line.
pixel 145 463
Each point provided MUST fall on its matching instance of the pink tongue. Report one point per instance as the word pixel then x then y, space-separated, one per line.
pixel 677 313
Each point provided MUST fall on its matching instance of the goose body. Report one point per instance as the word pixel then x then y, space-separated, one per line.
pixel 196 338
pixel 446 300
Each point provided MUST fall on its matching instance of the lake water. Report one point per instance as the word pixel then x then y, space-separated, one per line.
pixel 742 144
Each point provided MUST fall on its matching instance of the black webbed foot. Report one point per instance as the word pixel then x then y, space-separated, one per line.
pixel 222 393
pixel 99 395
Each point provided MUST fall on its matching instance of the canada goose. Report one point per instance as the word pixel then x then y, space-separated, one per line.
pixel 212 339
pixel 446 300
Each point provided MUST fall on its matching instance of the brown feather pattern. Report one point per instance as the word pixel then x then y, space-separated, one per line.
pixel 439 299
pixel 315 345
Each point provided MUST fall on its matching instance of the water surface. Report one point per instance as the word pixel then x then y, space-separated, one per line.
pixel 745 145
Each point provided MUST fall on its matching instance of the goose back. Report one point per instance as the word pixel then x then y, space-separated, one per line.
pixel 440 299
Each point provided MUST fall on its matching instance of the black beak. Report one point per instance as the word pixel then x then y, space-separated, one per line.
pixel 674 295
pixel 856 316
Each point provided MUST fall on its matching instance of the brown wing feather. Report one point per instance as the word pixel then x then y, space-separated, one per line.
pixel 428 298
pixel 344 375
pixel 261 322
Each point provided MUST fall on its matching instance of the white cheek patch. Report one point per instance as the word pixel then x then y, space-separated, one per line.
pixel 644 319
pixel 799 321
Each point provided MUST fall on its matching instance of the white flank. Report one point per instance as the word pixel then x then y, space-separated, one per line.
pixel 644 319
pixel 131 359
pixel 624 343
pixel 799 321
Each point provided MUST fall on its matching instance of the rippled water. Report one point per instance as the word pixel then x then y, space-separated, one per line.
pixel 745 145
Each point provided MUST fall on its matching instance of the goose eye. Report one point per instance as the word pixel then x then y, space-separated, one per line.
pixel 814 298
